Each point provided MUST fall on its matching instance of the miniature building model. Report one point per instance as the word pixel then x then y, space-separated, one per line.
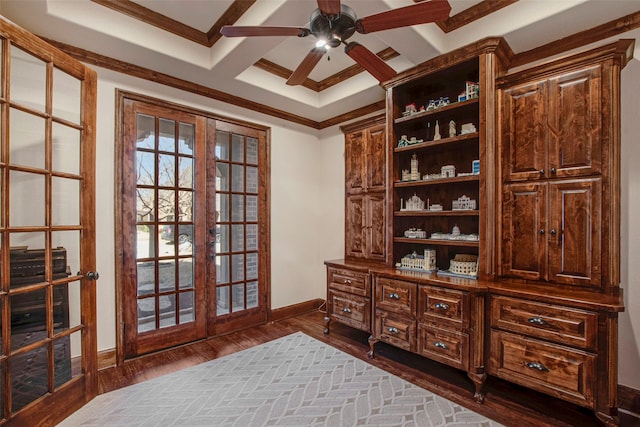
pixel 415 175
pixel 415 233
pixel 464 264
pixel 415 203
pixel 426 262
pixel 463 203
pixel 448 171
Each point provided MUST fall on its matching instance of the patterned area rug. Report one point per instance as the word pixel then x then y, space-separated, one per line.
pixel 292 381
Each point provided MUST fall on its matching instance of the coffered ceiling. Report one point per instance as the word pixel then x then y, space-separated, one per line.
pixel 178 43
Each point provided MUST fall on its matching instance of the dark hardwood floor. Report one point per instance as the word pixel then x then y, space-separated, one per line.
pixel 506 403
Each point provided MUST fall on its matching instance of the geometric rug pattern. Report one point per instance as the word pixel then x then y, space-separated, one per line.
pixel 295 380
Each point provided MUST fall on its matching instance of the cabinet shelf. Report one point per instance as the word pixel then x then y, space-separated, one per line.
pixel 439 181
pixel 424 114
pixel 437 242
pixel 428 144
pixel 438 213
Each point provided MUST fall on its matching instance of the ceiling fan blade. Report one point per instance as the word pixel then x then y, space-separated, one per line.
pixel 240 31
pixel 370 61
pixel 329 7
pixel 311 60
pixel 419 13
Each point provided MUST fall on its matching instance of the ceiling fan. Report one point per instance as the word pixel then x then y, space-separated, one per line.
pixel 332 23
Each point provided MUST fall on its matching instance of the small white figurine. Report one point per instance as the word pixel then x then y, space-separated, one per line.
pixel 468 128
pixel 415 175
pixel 436 134
pixel 448 171
pixel 452 129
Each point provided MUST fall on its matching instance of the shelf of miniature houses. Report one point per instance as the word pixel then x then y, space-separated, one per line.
pixel 433 143
pixel 438 242
pixel 423 114
pixel 460 212
pixel 437 181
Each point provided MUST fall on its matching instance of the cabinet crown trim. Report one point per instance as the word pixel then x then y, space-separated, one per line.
pixel 620 51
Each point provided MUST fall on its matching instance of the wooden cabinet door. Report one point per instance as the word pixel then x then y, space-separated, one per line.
pixel 524 131
pixel 355 227
pixel 375 212
pixel 574 236
pixel 354 156
pixel 365 227
pixel 376 158
pixel 575 120
pixel 524 230
pixel 365 188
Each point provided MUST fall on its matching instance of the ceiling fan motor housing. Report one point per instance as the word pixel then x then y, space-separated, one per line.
pixel 333 29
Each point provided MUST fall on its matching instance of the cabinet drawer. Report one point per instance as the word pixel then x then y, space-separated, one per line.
pixel 396 295
pixel 352 310
pixel 349 281
pixel 395 330
pixel 448 347
pixel 557 370
pixel 563 325
pixel 439 304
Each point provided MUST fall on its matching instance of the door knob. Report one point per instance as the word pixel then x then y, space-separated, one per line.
pixel 92 275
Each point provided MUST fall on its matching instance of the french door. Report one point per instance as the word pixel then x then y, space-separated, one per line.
pixel 240 185
pixel 48 348
pixel 194 223
pixel 163 220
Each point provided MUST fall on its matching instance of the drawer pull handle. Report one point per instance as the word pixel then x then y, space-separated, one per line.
pixel 393 295
pixel 393 330
pixel 442 306
pixel 537 366
pixel 440 345
pixel 347 281
pixel 346 310
pixel 537 321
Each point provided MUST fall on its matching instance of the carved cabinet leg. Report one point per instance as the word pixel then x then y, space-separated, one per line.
pixel 372 343
pixel 327 320
pixel 608 420
pixel 478 381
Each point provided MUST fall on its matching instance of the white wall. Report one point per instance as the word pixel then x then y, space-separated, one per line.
pixel 332 202
pixel 296 206
pixel 629 335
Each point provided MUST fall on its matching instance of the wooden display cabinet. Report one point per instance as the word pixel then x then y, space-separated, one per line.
pixel 542 311
pixel 554 313
pixel 440 317
pixel 433 154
